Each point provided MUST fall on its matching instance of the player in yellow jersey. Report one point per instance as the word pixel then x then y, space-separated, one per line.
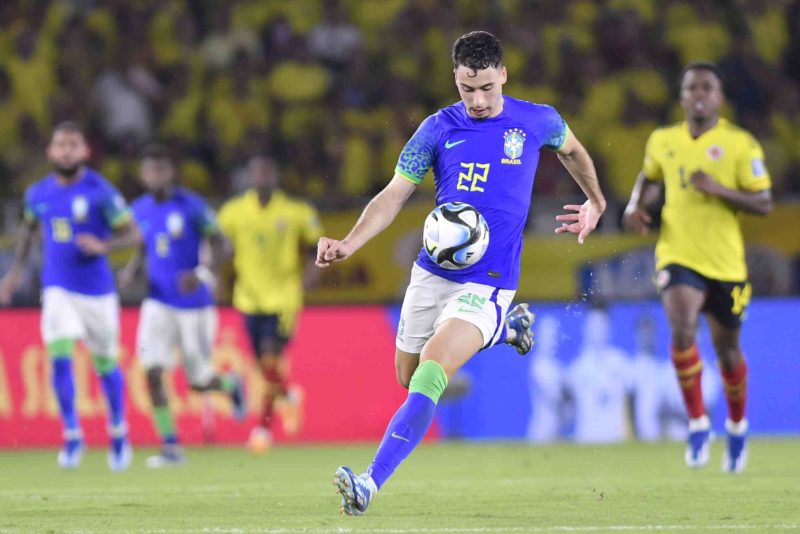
pixel 274 239
pixel 711 170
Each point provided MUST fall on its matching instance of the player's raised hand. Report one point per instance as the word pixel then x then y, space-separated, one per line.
pixel 636 219
pixel 583 222
pixel 330 251
pixel 91 244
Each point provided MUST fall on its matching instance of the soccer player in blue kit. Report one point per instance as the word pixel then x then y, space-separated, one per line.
pixel 83 218
pixel 483 151
pixel 178 311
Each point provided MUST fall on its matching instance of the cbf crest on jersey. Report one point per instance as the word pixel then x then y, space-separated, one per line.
pixel 80 208
pixel 513 141
pixel 175 224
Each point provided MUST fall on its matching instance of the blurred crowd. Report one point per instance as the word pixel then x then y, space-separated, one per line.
pixel 333 88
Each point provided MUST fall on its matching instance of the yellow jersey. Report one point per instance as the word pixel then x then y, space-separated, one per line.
pixel 699 231
pixel 269 245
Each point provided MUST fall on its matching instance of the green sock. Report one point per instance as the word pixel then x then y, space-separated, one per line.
pixel 429 379
pixel 165 424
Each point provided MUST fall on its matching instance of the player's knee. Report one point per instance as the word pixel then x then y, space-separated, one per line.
pixel 155 385
pixel 404 376
pixel 682 333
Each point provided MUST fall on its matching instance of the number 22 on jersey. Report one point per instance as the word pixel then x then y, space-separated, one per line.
pixel 476 173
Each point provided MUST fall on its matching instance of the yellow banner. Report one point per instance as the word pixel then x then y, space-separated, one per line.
pixel 550 264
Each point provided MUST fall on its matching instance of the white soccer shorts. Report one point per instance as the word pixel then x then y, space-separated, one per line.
pixel 164 329
pixel 91 319
pixel 430 300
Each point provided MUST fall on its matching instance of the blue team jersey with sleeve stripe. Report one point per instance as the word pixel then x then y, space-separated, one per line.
pixel 89 205
pixel 490 164
pixel 173 231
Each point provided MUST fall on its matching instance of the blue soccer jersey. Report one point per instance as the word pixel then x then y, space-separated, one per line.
pixel 173 231
pixel 490 164
pixel 90 205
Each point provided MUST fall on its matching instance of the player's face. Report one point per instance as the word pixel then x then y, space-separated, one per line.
pixel 263 174
pixel 67 151
pixel 701 94
pixel 482 90
pixel 157 173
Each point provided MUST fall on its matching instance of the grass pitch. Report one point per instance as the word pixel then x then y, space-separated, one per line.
pixel 447 487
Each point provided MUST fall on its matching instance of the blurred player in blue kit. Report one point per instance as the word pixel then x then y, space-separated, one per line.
pixel 82 218
pixel 484 151
pixel 179 311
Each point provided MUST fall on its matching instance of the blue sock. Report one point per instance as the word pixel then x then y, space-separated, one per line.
pixel 114 388
pixel 410 422
pixel 64 385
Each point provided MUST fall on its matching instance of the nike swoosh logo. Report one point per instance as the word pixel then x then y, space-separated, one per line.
pixel 394 435
pixel 448 144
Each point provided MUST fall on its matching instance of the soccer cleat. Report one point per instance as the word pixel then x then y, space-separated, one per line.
pixel 238 397
pixel 260 440
pixel 734 459
pixel 120 453
pixel 170 456
pixel 697 446
pixel 71 454
pixel 356 491
pixel 520 319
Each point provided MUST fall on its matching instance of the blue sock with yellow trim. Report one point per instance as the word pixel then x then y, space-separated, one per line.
pixel 410 422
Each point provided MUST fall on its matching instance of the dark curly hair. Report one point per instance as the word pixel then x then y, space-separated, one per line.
pixel 477 50
pixel 703 65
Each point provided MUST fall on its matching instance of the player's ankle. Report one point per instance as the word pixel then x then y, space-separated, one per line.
pixel 699 424
pixel 736 428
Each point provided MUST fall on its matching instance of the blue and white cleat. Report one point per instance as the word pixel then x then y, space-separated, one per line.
pixel 734 459
pixel 356 491
pixel 697 446
pixel 120 453
pixel 71 454
pixel 238 397
pixel 520 319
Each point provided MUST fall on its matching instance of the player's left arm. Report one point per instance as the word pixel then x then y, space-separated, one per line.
pixel 578 162
pixel 754 188
pixel 124 231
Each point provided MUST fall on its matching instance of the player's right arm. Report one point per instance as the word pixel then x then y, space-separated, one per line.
pixel 25 240
pixel 415 160
pixel 636 217
pixel 378 214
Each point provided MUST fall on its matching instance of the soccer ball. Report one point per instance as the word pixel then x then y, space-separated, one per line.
pixel 455 235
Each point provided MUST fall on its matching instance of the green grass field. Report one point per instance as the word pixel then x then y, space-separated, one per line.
pixel 449 487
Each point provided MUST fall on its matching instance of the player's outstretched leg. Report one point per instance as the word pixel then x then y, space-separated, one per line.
pixel 518 328
pixel 71 453
pixel 120 453
pixel 405 431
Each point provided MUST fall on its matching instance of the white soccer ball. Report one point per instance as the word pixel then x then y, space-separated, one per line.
pixel 455 235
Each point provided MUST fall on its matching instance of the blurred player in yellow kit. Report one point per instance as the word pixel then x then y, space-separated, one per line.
pixel 274 239
pixel 711 170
